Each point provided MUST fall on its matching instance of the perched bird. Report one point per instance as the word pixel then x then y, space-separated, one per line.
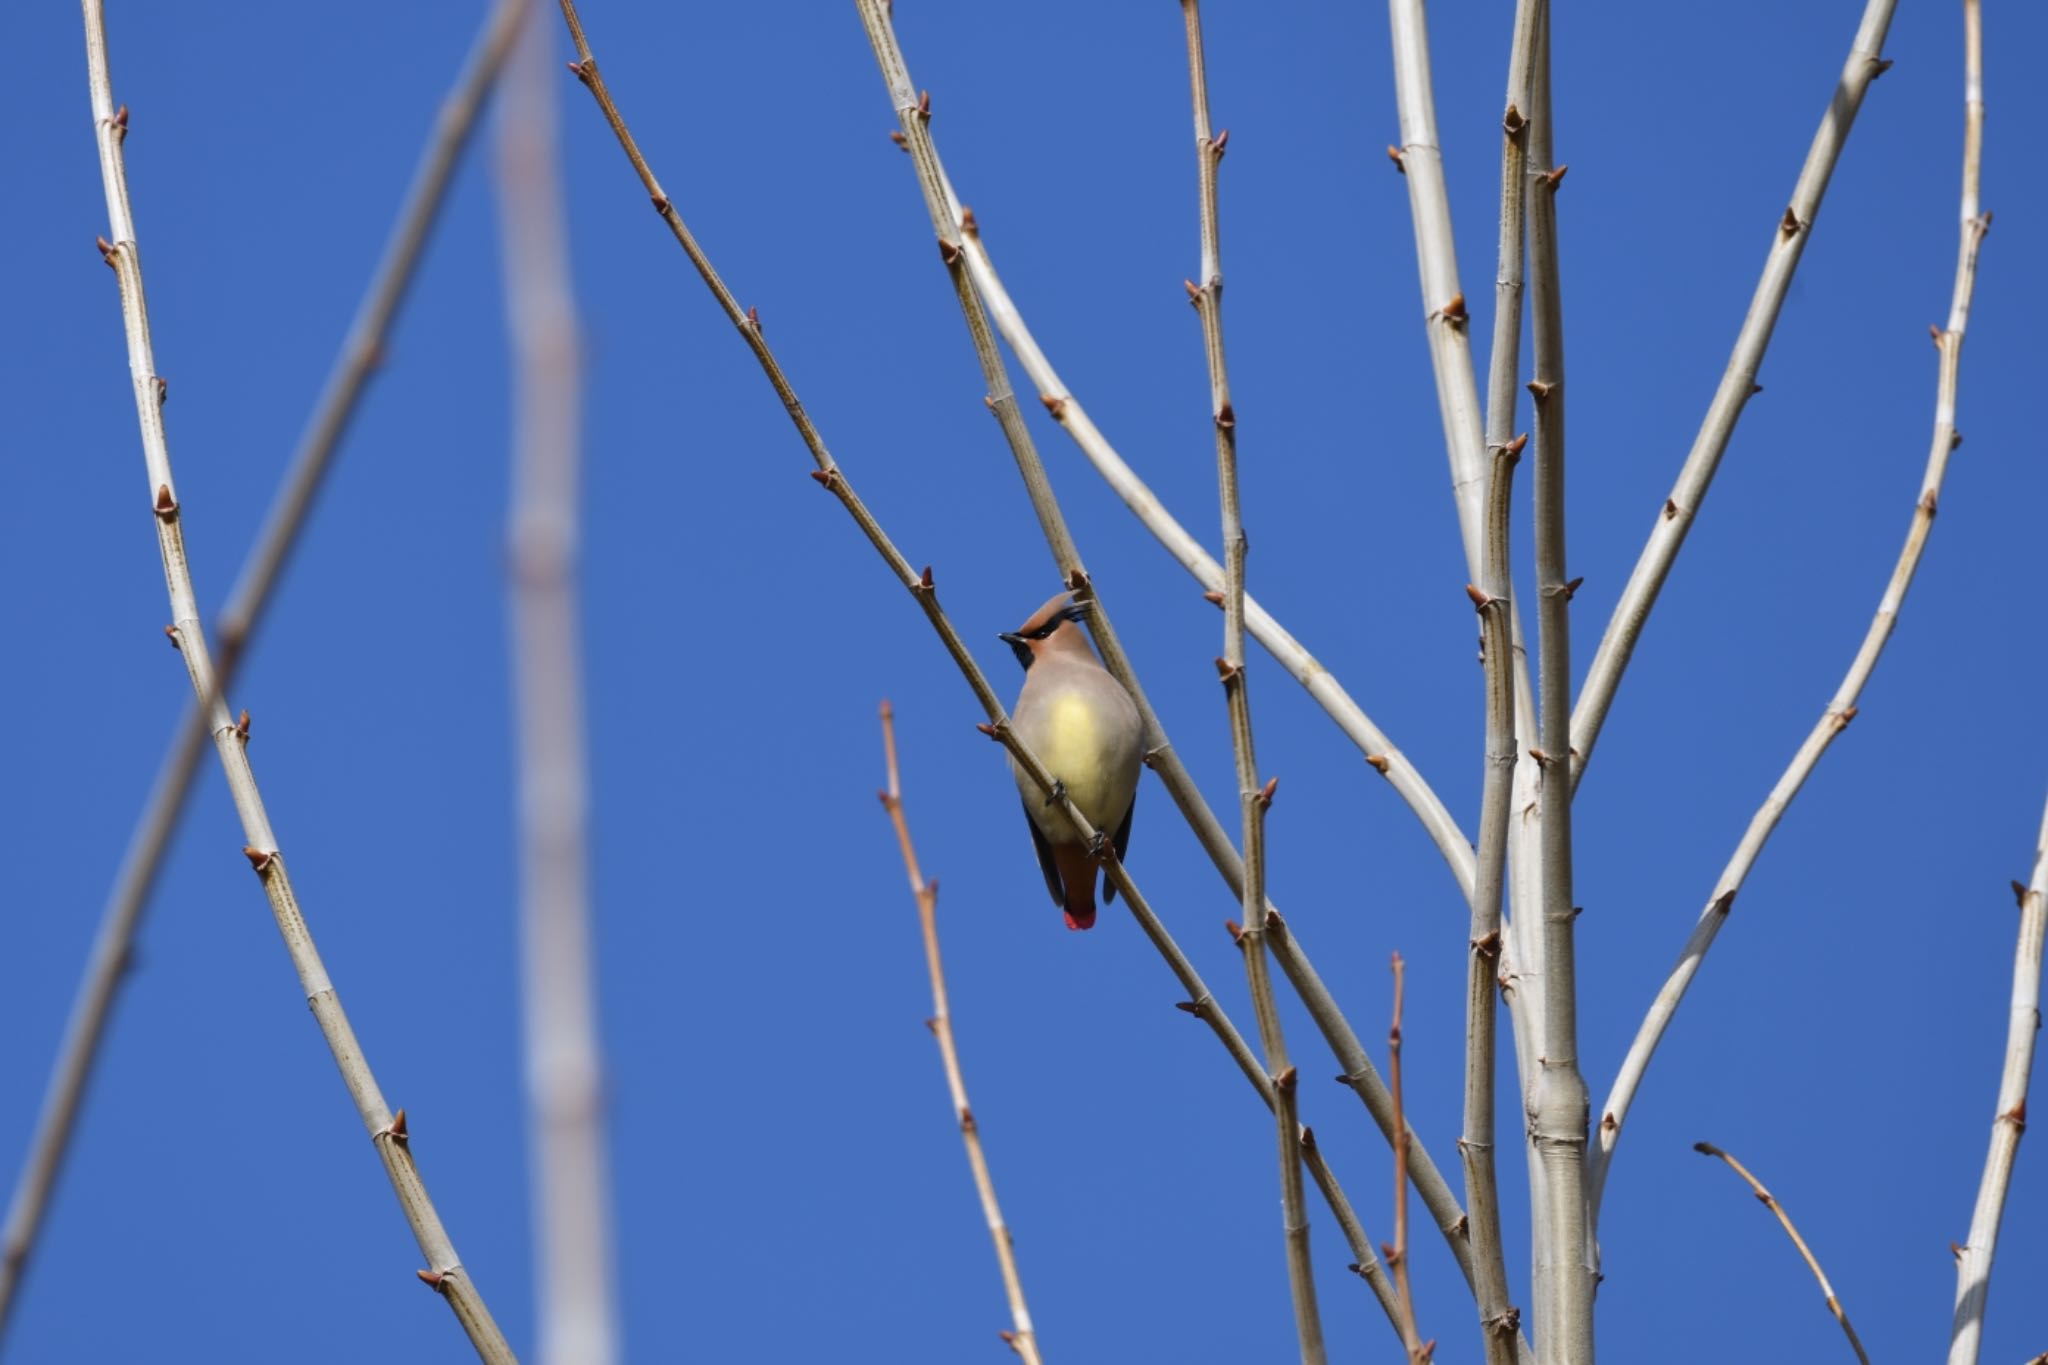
pixel 1085 729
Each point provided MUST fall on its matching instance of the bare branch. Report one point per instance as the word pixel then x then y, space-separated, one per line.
pixel 1557 1100
pixel 565 1069
pixel 1738 382
pixel 445 1273
pixel 1805 1252
pixel 121 915
pixel 1842 707
pixel 1022 1339
pixel 1419 1351
pixel 832 477
pixel 1208 300
pixel 1973 1260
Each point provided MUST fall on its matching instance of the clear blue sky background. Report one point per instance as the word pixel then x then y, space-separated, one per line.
pixel 789 1183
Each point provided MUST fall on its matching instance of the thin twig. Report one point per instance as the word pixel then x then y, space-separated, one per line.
pixel 1973 1260
pixel 1498 1317
pixel 1738 384
pixel 1770 1202
pixel 564 1062
pixel 1253 801
pixel 445 1273
pixel 1446 322
pixel 1841 708
pixel 121 915
pixel 1022 1339
pixel 830 475
pixel 1558 1104
pixel 1419 1351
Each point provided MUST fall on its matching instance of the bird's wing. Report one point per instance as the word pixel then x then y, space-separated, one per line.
pixel 1122 842
pixel 1045 862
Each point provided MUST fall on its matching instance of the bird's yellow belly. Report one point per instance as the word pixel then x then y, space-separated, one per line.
pixel 1070 739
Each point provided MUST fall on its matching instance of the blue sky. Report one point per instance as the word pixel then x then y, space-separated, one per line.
pixel 788 1180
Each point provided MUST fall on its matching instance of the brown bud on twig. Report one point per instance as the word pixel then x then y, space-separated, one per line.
pixel 1194 1007
pixel 1553 178
pixel 1194 292
pixel 1222 140
pixel 660 202
pixel 106 251
pixel 827 478
pixel 1379 763
pixel 166 505
pixel 1513 449
pixel 1267 792
pixel 258 859
pixel 163 390
pixel 1755 389
pixel 986 729
pixel 1928 503
pixel 968 226
pixel 754 320
pixel 121 124
pixel 1394 155
pixel 924 581
pixel 1227 671
pixel 1883 65
pixel 1842 719
pixel 902 142
pixel 583 71
pixel 1454 311
pixel 395 1130
pixel 924 105
pixel 1226 417
pixel 1232 927
pixel 242 727
pixel 1480 600
pixel 1723 903
pixel 435 1280
pixel 1056 406
pixel 1789 224
pixel 1512 121
pixel 1670 509
pixel 1541 390
pixel 1571 588
pixel 1213 598
pixel 171 634
pixel 2019 893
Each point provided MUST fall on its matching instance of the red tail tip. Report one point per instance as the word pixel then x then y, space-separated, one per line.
pixel 1085 920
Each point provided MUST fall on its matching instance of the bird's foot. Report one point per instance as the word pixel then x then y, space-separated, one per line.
pixel 1058 795
pixel 1098 847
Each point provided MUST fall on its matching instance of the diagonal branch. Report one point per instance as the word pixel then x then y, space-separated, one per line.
pixel 1252 799
pixel 1770 1202
pixel 1738 384
pixel 445 1273
pixel 830 475
pixel 1023 1340
pixel 1973 1260
pixel 1841 708
pixel 121 915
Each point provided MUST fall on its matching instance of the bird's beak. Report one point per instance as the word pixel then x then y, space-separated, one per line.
pixel 1011 638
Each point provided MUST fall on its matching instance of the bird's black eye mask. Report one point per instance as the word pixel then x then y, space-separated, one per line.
pixel 1020 641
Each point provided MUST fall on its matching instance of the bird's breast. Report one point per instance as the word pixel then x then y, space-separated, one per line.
pixel 1086 740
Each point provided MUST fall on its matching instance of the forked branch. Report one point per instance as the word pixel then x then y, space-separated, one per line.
pixel 121 915
pixel 832 477
pixel 388 1133
pixel 1738 384
pixel 1841 708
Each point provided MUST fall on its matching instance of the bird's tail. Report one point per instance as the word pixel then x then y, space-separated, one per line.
pixel 1077 877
